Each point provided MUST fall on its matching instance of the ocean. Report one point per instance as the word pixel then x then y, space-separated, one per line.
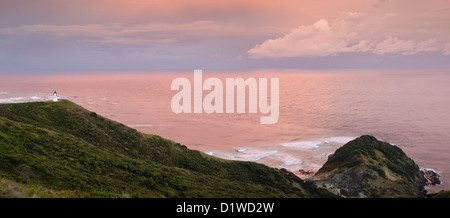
pixel 319 111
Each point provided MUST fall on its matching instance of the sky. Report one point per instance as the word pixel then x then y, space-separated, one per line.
pixel 72 35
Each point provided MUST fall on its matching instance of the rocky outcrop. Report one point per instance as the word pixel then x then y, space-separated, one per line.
pixel 432 177
pixel 367 167
pixel 303 172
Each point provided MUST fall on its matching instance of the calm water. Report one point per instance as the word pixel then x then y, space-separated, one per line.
pixel 319 111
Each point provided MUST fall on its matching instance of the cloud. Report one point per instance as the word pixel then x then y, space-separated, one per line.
pixel 393 45
pixel 128 35
pixel 173 33
pixel 351 32
pixel 447 49
pixel 115 45
pixel 426 46
pixel 316 40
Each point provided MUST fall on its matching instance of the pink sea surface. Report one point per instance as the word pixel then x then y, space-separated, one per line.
pixel 319 111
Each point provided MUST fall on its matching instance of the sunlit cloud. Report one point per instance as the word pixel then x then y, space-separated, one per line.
pixel 317 40
pixel 447 49
pixel 351 32
pixel 220 34
pixel 133 35
pixel 393 45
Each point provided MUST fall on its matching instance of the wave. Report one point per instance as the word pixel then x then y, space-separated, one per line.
pixel 430 169
pixel 12 100
pixel 304 144
pixel 33 98
pixel 293 155
pixel 317 143
pixel 264 156
pixel 294 163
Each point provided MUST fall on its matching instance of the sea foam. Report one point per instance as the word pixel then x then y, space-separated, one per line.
pixel 22 99
pixel 293 156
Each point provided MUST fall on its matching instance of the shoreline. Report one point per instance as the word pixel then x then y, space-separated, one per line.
pixel 434 177
pixel 275 154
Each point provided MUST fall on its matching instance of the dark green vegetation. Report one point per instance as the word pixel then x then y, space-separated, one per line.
pixel 59 149
pixel 441 194
pixel 367 167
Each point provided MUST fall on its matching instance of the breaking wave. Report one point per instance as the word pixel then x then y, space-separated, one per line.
pixel 21 99
pixel 293 156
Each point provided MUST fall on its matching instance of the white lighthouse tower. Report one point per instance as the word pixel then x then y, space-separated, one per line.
pixel 55 96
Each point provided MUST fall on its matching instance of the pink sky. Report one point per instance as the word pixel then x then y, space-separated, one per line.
pixel 187 34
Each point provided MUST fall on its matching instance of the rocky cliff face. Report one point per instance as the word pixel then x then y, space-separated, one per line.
pixel 367 167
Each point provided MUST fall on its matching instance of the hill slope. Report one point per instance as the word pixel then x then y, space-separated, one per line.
pixel 62 150
pixel 367 167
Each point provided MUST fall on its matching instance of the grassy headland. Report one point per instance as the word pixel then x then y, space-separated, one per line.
pixel 61 149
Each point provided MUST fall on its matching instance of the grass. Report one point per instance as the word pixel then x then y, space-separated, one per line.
pixel 12 189
pixel 67 151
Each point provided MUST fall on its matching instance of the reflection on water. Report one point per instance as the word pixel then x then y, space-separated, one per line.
pixel 319 111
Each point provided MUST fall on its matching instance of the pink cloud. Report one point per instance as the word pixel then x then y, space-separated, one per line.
pixel 316 40
pixel 131 35
pixel 447 49
pixel 393 45
pixel 350 32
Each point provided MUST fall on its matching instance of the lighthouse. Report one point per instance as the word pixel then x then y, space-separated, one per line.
pixel 55 96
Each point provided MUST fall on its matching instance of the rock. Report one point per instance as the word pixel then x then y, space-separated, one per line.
pixel 306 172
pixel 432 177
pixel 368 167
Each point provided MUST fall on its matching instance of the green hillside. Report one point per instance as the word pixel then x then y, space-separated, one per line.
pixel 367 167
pixel 59 149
